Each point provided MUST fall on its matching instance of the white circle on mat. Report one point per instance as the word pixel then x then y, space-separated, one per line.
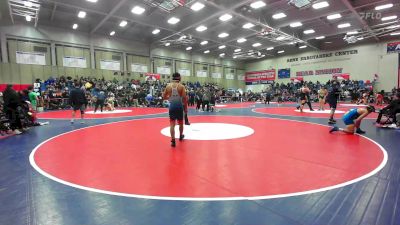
pixel 353 105
pixel 211 131
pixel 264 102
pixel 109 112
pixel 319 112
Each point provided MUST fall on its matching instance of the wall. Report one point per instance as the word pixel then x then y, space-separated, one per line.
pixel 70 37
pixel 197 62
pixel 141 60
pixel 371 59
pixel 61 43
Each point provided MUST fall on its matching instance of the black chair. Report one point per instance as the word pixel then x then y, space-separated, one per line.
pixel 387 117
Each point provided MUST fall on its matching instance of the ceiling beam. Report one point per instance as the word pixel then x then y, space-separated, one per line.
pixel 105 14
pixel 123 18
pixel 10 10
pixel 76 7
pixel 53 12
pixel 109 15
pixel 254 21
pixel 309 19
pixel 361 20
pixel 219 13
pixel 37 17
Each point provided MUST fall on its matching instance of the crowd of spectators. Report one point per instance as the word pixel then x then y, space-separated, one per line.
pixel 350 90
pixel 53 94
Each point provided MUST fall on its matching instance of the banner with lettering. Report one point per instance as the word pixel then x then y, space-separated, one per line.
pixel 184 72
pixel 216 75
pixel 260 77
pixel 343 76
pixel 393 47
pixel 110 65
pixel 152 76
pixel 164 70
pixel 71 61
pixel 319 72
pixel 323 55
pixel 139 68
pixel 35 58
pixel 297 79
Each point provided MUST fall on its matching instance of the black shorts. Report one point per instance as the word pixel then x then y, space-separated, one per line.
pixel 79 107
pixel 176 114
pixel 332 103
pixel 303 97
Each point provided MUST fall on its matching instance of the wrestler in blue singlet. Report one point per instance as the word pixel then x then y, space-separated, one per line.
pixel 350 116
pixel 175 104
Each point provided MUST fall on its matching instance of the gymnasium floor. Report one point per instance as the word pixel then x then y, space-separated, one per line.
pixel 246 164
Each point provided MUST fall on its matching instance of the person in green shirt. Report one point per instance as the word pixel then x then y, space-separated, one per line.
pixel 32 97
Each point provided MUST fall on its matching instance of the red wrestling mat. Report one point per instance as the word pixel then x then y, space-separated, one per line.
pixel 291 111
pixel 89 114
pixel 256 158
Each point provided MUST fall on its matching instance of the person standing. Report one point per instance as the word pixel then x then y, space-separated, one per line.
pixel 322 93
pixel 308 98
pixel 332 99
pixel 100 98
pixel 11 104
pixel 192 96
pixel 32 97
pixel 199 100
pixel 267 97
pixel 78 101
pixel 135 97
pixel 305 98
pixel 175 93
pixel 206 100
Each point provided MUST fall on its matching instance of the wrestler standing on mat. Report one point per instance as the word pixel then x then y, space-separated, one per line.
pixel 305 98
pixel 175 93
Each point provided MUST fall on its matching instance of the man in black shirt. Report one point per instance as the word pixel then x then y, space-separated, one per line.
pixel 392 109
pixel 11 103
pixel 135 97
pixel 332 99
pixel 78 101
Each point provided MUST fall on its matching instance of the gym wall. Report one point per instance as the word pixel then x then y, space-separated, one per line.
pixel 130 54
pixel 369 60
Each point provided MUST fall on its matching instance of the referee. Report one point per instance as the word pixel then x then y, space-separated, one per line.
pixel 332 99
pixel 78 101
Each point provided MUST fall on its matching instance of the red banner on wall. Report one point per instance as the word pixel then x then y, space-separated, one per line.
pixel 265 75
pixel 297 79
pixel 344 76
pixel 17 87
pixel 393 47
pixel 152 76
